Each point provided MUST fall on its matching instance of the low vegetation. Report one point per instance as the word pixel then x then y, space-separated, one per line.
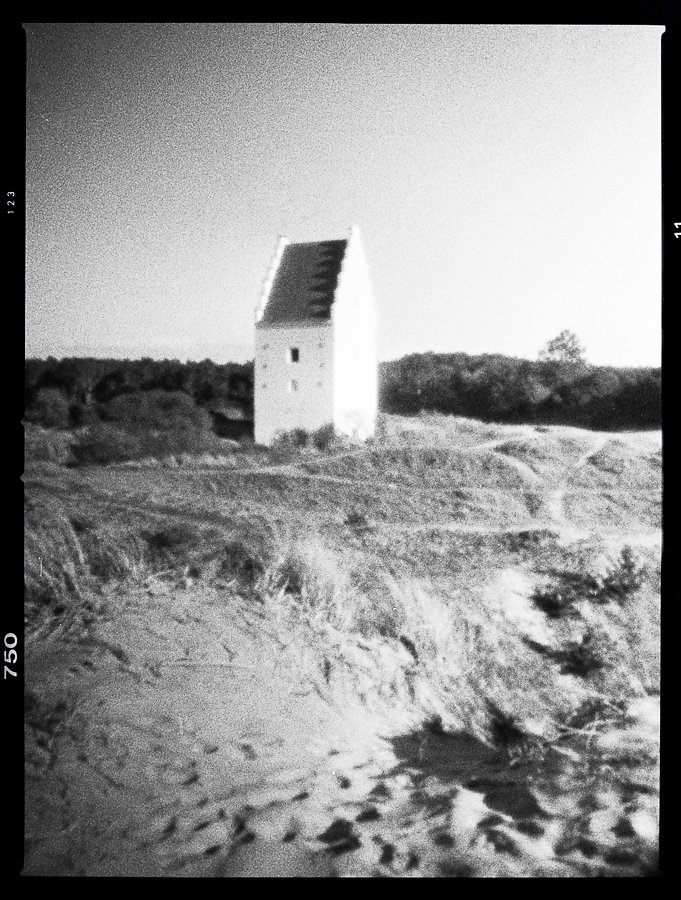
pixel 620 584
pixel 321 439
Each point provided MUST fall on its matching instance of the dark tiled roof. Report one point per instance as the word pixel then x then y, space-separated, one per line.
pixel 305 283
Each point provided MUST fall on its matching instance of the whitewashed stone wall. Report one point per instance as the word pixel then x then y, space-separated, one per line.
pixel 355 359
pixel 292 394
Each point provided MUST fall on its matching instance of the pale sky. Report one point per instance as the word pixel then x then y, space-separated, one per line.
pixel 506 180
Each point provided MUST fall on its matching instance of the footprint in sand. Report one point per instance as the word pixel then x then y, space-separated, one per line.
pixel 340 837
pixel 370 814
pixel 381 792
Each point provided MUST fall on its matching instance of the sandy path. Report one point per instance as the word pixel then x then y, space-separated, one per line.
pixel 555 500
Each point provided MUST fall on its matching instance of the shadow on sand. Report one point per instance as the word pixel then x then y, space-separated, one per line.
pixel 458 759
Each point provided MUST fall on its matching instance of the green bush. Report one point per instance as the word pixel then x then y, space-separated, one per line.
pixel 291 440
pixel 299 437
pixel 103 443
pixel 50 408
pixel 323 437
pixel 157 410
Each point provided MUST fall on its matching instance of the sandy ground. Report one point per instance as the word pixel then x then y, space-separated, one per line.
pixel 188 732
pixel 208 748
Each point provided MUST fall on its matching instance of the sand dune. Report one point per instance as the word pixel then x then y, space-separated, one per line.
pixel 196 722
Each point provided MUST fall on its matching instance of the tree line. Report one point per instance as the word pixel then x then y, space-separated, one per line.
pixel 551 390
pixel 80 391
pixel 558 388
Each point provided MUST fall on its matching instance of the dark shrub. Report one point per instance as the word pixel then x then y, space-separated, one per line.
pixel 581 658
pixel 290 577
pixel 103 443
pixel 323 437
pixel 624 579
pixel 80 525
pixel 557 600
pixel 553 602
pixel 238 562
pixel 299 437
pixel 172 544
pixel 503 728
pixel 81 414
pixel 160 410
pixel 40 593
pixel 50 408
pixel 356 519
pixel 294 439
pixel 528 538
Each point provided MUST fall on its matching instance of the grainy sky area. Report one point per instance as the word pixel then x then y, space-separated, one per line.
pixel 506 180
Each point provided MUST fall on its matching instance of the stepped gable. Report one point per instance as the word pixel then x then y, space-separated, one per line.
pixel 305 283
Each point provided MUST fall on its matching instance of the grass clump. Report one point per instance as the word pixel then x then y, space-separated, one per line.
pixel 467 656
pixel 581 658
pixel 357 520
pixel 173 543
pixel 70 556
pixel 559 599
pixel 620 583
pixel 67 559
pixel 308 579
pixel 240 562
pixel 183 545
pixel 596 710
pixel 287 441
pixel 624 579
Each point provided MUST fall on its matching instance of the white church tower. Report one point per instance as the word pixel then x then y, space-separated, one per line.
pixel 315 341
